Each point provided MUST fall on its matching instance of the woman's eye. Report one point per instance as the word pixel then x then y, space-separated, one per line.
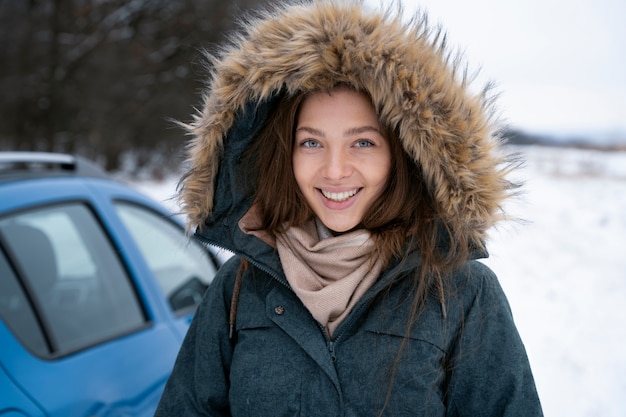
pixel 363 143
pixel 309 143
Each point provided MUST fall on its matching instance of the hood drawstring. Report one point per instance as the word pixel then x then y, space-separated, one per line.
pixel 243 267
pixel 442 298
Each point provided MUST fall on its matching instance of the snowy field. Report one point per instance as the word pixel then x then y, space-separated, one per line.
pixel 563 268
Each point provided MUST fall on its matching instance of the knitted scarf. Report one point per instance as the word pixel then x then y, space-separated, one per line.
pixel 328 273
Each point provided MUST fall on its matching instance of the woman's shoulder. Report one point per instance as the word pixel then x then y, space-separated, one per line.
pixel 476 286
pixel 224 281
pixel 230 266
pixel 474 275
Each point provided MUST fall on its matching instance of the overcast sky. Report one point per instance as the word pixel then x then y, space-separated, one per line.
pixel 559 65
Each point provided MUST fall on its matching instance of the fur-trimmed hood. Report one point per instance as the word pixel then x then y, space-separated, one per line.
pixel 415 86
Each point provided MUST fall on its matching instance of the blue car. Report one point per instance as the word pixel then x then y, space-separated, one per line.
pixel 98 285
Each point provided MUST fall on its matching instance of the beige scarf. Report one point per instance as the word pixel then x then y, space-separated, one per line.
pixel 328 273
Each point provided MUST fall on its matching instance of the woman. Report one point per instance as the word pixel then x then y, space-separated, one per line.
pixel 355 178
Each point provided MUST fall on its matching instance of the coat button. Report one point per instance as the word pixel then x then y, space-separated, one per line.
pixel 280 310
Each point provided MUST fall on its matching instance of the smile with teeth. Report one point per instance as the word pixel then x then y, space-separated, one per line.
pixel 342 196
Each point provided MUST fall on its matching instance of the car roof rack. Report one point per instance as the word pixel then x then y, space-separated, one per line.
pixel 22 163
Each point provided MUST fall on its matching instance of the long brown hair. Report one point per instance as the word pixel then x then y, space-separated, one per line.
pixel 405 218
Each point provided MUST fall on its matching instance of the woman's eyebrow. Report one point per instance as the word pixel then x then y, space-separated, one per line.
pixel 358 130
pixel 311 131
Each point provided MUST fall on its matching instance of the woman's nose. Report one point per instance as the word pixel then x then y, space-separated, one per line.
pixel 337 165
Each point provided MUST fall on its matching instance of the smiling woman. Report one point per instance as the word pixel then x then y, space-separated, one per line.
pixel 355 178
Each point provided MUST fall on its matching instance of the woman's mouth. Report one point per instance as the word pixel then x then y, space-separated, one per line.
pixel 341 196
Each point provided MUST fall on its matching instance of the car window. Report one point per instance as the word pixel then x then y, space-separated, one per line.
pixel 75 281
pixel 182 266
pixel 16 312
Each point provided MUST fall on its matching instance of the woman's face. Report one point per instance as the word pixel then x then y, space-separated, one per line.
pixel 341 160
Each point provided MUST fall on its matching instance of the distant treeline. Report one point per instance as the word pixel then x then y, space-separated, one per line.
pixel 519 137
pixel 104 78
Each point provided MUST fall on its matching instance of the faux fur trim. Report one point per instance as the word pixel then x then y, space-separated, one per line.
pixel 415 83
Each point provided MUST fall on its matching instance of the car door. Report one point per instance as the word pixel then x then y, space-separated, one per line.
pixel 83 343
pixel 183 268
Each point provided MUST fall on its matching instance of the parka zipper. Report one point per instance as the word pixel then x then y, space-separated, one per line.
pixel 331 342
pixel 253 262
pixel 331 349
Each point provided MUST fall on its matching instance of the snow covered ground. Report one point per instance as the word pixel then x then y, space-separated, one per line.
pixel 563 267
pixel 564 272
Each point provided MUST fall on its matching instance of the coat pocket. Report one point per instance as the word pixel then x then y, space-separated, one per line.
pixel 264 379
pixel 406 375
